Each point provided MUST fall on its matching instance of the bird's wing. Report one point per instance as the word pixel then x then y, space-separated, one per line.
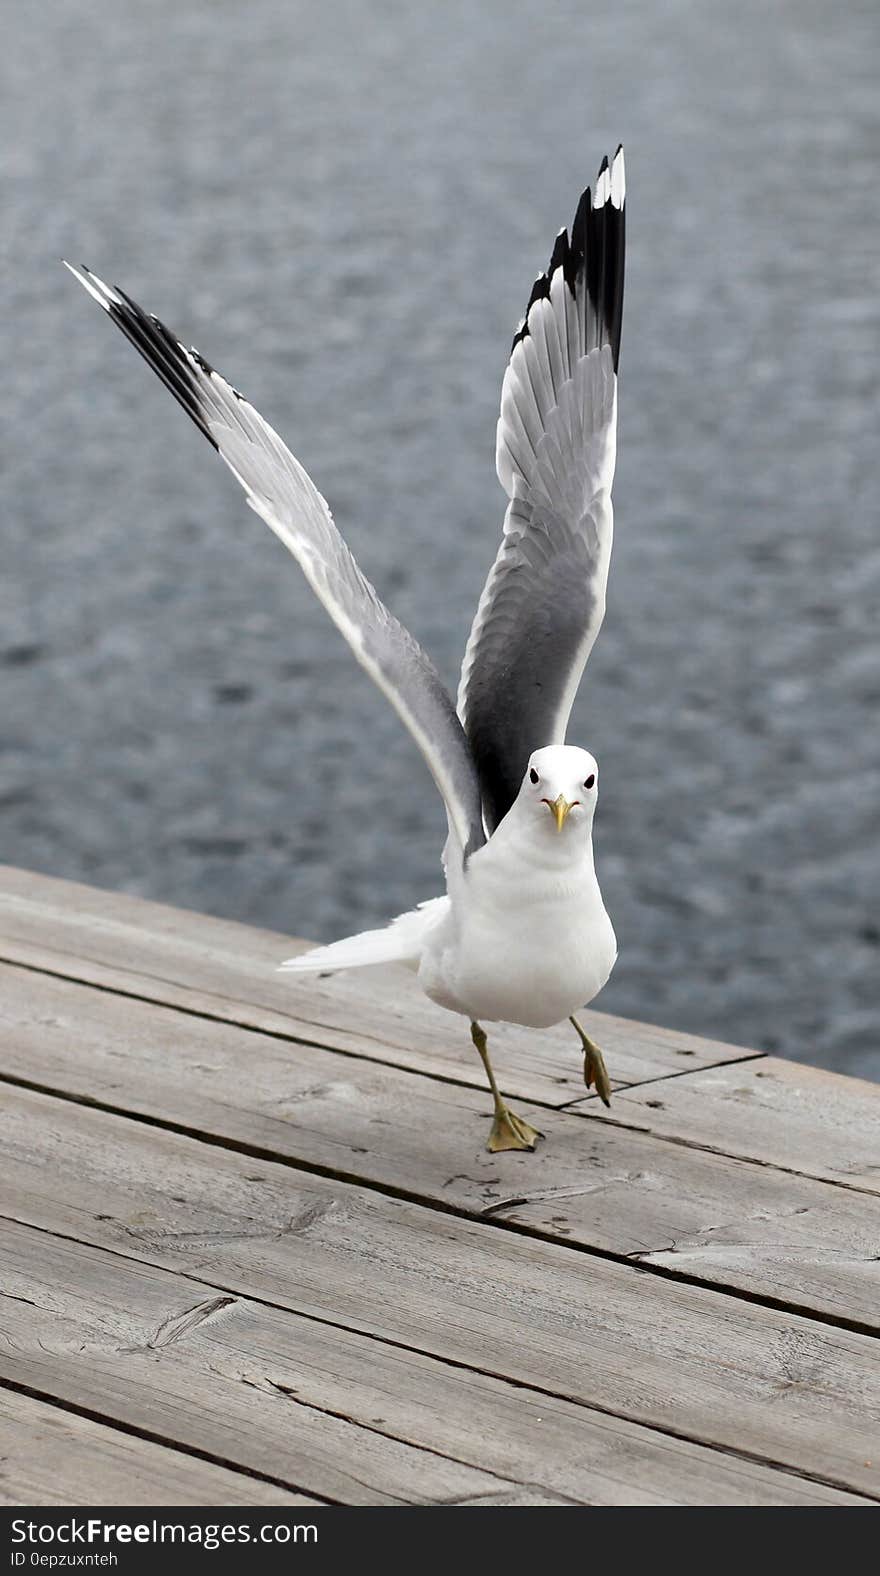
pixel 544 599
pixel 282 493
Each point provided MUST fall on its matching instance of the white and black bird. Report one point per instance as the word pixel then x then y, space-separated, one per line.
pixel 522 935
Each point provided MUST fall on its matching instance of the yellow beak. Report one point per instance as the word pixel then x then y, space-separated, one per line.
pixel 560 808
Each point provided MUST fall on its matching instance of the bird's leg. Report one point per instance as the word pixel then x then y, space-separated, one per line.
pixel 595 1071
pixel 509 1131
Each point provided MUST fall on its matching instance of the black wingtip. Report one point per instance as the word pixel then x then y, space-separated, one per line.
pixel 156 344
pixel 598 249
pixel 592 254
pixel 557 256
pixel 540 290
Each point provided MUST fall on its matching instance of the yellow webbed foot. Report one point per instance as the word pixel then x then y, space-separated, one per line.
pixel 510 1131
pixel 596 1073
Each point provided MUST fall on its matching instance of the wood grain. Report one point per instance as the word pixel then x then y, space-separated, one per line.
pixel 229 971
pixel 52 1457
pixel 682 1358
pixel 591 1183
pixel 253 1219
pixel 373 1424
pixel 784 1114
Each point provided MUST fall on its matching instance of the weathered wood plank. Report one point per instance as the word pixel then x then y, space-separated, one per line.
pixel 230 971
pixel 748 1226
pixel 803 1119
pixel 53 1457
pixel 369 1423
pixel 682 1358
pixel 161 1353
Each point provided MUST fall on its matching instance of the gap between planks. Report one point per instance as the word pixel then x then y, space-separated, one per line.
pixel 647 1200
pixel 271 1155
pixel 135 1431
pixel 420 1261
pixel 783 1241
pixel 584 1107
pixel 230 1485
pixel 430 1201
pixel 575 1104
pixel 723 1451
pixel 198 955
pixel 198 962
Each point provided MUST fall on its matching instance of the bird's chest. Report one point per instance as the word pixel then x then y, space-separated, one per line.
pixel 533 952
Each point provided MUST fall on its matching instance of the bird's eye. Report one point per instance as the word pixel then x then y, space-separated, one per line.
pixel 590 780
pixel 533 776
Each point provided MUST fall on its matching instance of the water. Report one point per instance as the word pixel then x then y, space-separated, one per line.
pixel 344 207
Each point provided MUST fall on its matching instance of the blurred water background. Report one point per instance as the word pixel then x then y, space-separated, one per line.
pixel 344 206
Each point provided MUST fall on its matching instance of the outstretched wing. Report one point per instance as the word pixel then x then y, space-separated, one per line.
pixel 544 599
pixel 282 493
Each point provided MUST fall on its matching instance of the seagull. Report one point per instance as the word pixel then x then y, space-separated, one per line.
pixel 521 935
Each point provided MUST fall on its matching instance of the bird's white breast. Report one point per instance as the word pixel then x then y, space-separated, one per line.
pixel 523 942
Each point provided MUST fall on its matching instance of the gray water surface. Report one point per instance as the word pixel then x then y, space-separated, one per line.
pixel 344 206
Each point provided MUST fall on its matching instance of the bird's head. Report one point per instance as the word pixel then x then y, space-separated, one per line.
pixel 559 789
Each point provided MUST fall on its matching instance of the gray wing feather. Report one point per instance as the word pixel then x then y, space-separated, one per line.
pixel 544 600
pixel 281 492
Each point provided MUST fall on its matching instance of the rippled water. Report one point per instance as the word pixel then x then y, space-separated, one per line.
pixel 344 207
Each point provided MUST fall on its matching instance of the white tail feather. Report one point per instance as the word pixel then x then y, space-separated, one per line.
pixel 399 942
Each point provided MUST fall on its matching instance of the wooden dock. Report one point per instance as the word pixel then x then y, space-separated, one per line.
pixel 255 1252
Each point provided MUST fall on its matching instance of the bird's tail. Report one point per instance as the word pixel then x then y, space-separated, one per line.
pixel 400 942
